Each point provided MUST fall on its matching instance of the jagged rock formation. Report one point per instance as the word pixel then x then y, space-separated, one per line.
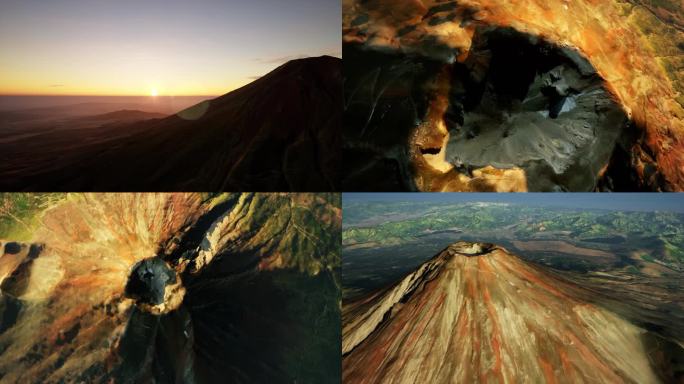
pixel 111 287
pixel 426 79
pixel 475 313
pixel 278 133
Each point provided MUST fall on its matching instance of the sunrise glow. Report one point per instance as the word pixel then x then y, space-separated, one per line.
pixel 200 47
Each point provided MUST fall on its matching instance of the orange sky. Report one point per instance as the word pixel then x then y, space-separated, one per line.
pixel 171 47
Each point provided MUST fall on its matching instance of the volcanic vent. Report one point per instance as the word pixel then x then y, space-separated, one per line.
pixel 475 313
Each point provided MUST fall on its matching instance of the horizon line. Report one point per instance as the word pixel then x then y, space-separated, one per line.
pixel 96 95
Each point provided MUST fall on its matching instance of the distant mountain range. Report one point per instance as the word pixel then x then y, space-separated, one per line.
pixel 125 115
pixel 278 133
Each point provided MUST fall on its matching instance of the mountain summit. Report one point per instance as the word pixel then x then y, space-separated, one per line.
pixel 476 313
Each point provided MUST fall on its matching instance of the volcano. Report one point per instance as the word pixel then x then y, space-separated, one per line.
pixel 278 133
pixel 476 313
pixel 170 288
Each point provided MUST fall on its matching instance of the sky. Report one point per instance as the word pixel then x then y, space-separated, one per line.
pixel 164 47
pixel 672 202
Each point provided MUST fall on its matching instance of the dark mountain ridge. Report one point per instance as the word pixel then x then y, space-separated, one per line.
pixel 278 133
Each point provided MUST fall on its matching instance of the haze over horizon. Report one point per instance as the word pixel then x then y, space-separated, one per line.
pixel 156 48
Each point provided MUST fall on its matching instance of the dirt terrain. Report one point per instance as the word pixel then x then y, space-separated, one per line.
pixel 560 247
pixel 477 313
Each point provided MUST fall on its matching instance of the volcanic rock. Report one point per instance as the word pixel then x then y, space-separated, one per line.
pixel 148 281
pixel 626 54
pixel 476 313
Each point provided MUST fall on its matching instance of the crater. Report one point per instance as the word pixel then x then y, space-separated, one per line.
pixel 154 286
pixel 514 103
pixel 472 249
pixel 529 104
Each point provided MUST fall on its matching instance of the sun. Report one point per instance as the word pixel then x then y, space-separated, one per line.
pixel 153 92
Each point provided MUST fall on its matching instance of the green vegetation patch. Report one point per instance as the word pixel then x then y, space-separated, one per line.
pixel 20 213
pixel 663 231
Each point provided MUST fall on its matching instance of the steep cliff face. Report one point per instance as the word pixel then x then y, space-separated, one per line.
pixel 173 288
pixel 431 59
pixel 475 313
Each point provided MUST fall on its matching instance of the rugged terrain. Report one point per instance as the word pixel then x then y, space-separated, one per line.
pixel 476 313
pixel 278 133
pixel 169 288
pixel 499 95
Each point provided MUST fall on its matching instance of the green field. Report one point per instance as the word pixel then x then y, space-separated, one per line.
pixel 403 223
pixel 20 213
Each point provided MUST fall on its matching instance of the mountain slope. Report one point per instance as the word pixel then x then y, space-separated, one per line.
pixel 475 313
pixel 278 133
